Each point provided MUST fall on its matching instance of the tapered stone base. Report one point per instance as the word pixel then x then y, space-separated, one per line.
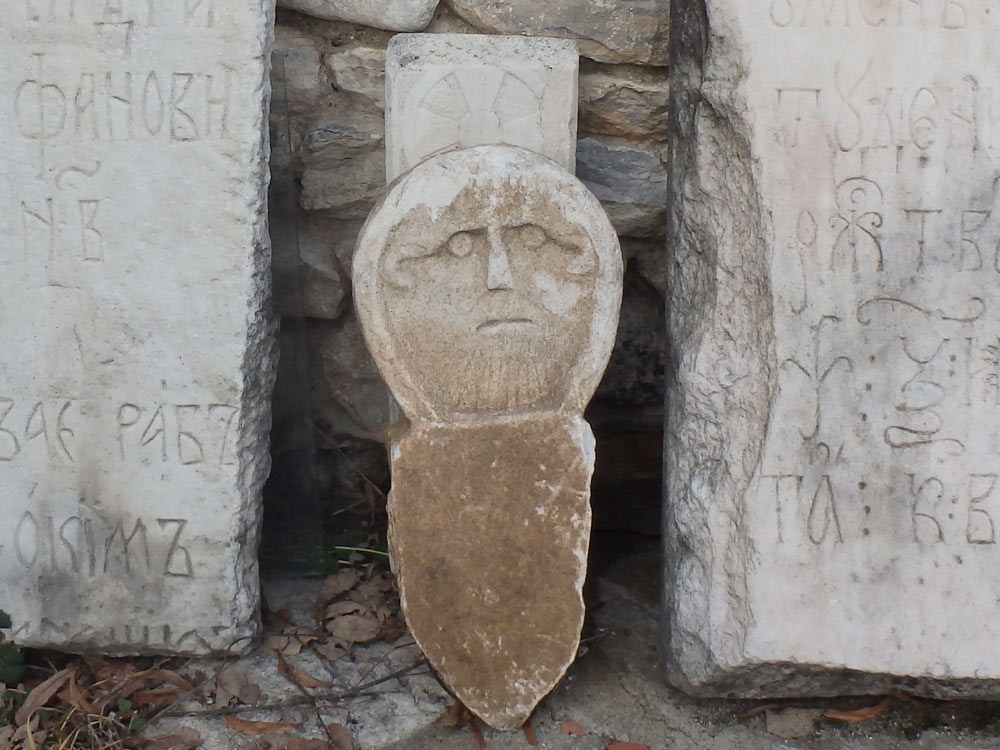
pixel 489 531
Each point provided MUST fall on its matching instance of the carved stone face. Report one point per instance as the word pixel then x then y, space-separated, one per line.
pixel 489 298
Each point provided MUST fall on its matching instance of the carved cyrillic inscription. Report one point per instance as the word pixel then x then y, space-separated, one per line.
pixel 115 105
pixel 190 14
pixel 89 546
pixel 186 434
pixel 858 109
pixel 953 15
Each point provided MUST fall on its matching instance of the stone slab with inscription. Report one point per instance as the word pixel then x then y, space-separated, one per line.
pixel 488 283
pixel 833 447
pixel 135 347
pixel 460 90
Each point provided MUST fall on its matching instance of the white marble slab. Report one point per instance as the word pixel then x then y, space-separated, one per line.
pixel 135 346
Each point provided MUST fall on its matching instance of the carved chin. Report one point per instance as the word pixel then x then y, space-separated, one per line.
pixel 491 372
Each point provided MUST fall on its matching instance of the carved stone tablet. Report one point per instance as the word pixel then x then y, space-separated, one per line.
pixel 460 90
pixel 488 284
pixel 135 357
pixel 834 443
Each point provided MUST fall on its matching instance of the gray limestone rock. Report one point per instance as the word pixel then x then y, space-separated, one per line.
pixel 394 15
pixel 608 30
pixel 343 166
pixel 627 101
pixel 630 180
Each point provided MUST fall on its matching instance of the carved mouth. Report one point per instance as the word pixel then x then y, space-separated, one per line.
pixel 496 325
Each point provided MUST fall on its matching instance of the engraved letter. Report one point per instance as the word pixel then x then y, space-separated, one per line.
pixel 170 565
pixel 128 416
pixel 980 528
pixel 9 445
pixel 182 124
pixel 972 257
pixel 195 454
pixel 90 236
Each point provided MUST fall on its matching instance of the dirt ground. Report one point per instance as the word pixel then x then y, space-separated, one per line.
pixel 385 696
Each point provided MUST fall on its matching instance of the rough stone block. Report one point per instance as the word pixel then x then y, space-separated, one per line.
pixel 135 348
pixel 834 449
pixel 609 31
pixel 394 15
pixel 488 283
pixel 460 90
pixel 630 178
pixel 626 101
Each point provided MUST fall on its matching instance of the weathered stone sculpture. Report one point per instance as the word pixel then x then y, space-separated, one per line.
pixel 488 283
pixel 833 441
pixel 135 348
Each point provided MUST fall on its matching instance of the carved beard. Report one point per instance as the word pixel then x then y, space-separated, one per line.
pixel 488 374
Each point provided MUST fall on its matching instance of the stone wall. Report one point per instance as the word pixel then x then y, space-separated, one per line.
pixel 327 121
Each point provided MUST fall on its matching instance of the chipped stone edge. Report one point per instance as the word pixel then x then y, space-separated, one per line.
pixel 714 433
pixel 259 367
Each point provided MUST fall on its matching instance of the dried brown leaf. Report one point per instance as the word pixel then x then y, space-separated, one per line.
pixel 341 582
pixel 572 728
pixel 360 628
pixel 168 676
pixel 859 714
pixel 155 698
pixel 183 739
pixel 347 607
pixel 627 746
pixel 300 678
pixel 330 651
pixel 5 736
pixel 41 695
pixel 235 683
pixel 340 738
pixel 284 644
pixel 529 733
pixel 72 695
pixel 256 728
pixel 300 743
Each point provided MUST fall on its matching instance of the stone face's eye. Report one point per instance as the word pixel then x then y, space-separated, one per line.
pixel 461 244
pixel 528 236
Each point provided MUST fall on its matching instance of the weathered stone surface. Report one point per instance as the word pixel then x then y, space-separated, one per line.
pixel 628 101
pixel 317 288
pixel 298 60
pixel 359 398
pixel 833 447
pixel 488 282
pixel 461 90
pixel 394 15
pixel 635 374
pixel 608 30
pixel 137 356
pixel 649 256
pixel 360 70
pixel 631 181
pixel 494 595
pixel 343 166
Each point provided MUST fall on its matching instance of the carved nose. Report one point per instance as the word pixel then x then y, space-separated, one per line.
pixel 498 275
